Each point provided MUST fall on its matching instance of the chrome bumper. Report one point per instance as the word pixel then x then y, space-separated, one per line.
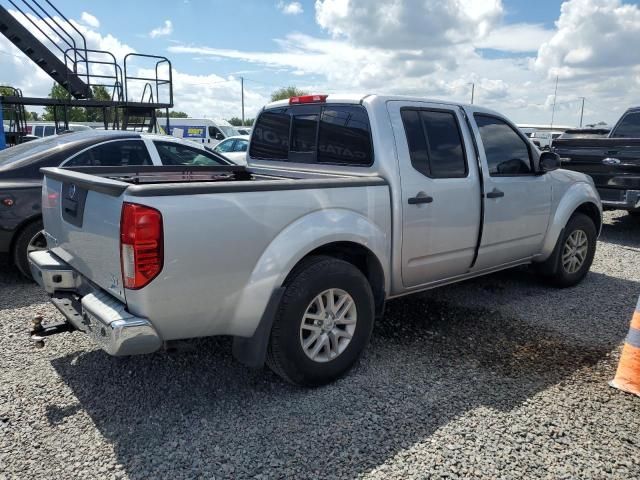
pixel 629 201
pixel 91 310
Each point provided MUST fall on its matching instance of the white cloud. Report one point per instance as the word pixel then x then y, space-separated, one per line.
pixel 290 8
pixel 592 36
pixel 518 37
pixel 163 31
pixel 90 20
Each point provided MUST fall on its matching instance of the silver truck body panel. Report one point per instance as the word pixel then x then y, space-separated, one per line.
pixel 226 251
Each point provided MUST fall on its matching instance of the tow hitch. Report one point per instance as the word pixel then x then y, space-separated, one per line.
pixel 38 333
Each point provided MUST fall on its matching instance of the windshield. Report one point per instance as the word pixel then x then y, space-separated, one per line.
pixel 228 131
pixel 14 154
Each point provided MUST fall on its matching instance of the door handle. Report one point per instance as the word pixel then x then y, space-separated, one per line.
pixel 495 193
pixel 420 198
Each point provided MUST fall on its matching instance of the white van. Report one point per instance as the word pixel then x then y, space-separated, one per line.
pixel 46 129
pixel 199 130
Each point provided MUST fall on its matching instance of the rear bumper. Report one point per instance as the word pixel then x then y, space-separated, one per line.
pixel 620 199
pixel 91 310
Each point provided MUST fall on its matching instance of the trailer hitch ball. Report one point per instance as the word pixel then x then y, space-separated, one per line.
pixel 37 323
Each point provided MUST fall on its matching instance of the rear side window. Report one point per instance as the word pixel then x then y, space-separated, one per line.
pixel 506 152
pixel 327 134
pixel 629 126
pixel 435 143
pixel 113 154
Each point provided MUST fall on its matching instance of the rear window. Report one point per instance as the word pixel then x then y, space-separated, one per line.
pixel 327 134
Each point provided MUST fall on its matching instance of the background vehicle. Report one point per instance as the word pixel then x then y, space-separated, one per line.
pixel 21 179
pixel 543 140
pixel 243 130
pixel 347 201
pixel 200 130
pixel 585 133
pixel 46 129
pixel 234 148
pixel 613 162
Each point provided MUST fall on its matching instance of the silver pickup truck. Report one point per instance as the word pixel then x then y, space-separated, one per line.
pixel 347 201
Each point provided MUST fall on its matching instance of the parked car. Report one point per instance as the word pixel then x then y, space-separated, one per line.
pixel 347 201
pixel 234 148
pixel 585 133
pixel 613 162
pixel 243 130
pixel 199 130
pixel 21 180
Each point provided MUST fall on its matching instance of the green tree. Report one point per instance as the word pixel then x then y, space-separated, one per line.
pixel 287 92
pixel 248 122
pixel 33 116
pixel 235 121
pixel 6 91
pixel 76 114
pixel 172 114
pixel 94 114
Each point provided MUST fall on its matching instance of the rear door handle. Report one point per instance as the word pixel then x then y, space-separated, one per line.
pixel 420 198
pixel 495 193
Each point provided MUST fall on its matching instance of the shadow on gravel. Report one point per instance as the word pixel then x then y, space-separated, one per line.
pixel 622 230
pixel 429 363
pixel 17 291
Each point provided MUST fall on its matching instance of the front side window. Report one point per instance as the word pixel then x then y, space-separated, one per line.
pixel 113 154
pixel 506 152
pixel 328 134
pixel 629 126
pixel 49 130
pixel 435 143
pixel 37 131
pixel 178 154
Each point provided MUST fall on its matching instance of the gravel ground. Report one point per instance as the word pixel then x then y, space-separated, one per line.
pixel 499 377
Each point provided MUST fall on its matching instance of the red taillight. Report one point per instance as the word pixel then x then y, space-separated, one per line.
pixel 308 99
pixel 140 244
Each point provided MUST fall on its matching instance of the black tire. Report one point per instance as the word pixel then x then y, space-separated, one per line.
pixel 21 247
pixel 285 355
pixel 553 270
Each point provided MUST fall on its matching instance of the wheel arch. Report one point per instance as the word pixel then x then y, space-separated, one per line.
pixel 19 229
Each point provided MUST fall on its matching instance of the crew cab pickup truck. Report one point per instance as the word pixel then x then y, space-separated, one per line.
pixel 613 162
pixel 347 201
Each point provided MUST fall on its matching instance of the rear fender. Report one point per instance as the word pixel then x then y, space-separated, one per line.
pixel 298 239
pixel 575 196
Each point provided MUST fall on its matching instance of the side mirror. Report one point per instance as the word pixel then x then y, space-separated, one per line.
pixel 549 161
pixel 219 136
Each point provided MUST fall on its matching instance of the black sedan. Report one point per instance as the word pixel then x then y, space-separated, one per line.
pixel 20 177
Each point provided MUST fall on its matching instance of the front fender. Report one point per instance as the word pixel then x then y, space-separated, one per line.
pixel 293 243
pixel 574 196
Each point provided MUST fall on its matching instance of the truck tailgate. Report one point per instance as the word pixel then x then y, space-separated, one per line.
pixel 89 243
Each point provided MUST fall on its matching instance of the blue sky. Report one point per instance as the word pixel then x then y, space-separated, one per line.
pixel 511 49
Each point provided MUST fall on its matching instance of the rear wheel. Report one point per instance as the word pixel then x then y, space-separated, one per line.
pixel 30 239
pixel 573 254
pixel 323 324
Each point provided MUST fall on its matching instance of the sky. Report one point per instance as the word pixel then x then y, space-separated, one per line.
pixel 511 50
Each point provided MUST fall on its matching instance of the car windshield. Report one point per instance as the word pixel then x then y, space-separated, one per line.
pixel 15 154
pixel 228 131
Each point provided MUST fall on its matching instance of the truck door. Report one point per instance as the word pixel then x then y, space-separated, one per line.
pixel 517 200
pixel 440 191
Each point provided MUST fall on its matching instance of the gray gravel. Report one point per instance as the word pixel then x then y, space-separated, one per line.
pixel 499 377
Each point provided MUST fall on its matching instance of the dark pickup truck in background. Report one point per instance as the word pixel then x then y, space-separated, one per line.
pixel 613 162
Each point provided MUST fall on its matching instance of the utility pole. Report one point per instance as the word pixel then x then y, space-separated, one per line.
pixel 581 111
pixel 555 95
pixel 473 88
pixel 242 94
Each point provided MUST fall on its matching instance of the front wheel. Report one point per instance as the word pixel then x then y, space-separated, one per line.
pixel 323 324
pixel 30 239
pixel 573 254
